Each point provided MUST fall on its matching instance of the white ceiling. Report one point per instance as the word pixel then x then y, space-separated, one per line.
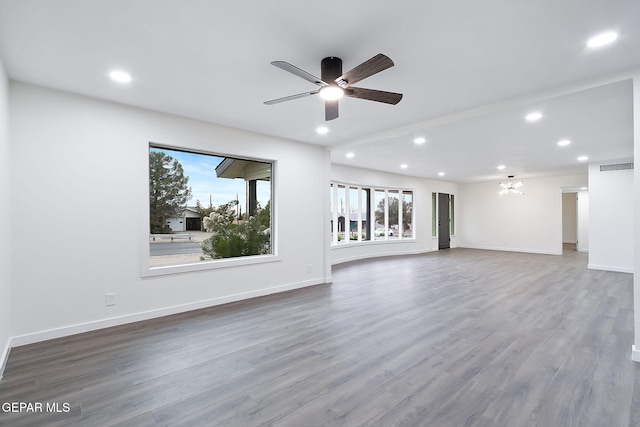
pixel 469 72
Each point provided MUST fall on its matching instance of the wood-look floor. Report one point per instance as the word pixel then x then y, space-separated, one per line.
pixel 452 338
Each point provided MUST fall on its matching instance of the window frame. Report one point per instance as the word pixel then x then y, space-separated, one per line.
pixel 148 271
pixel 372 208
pixel 403 195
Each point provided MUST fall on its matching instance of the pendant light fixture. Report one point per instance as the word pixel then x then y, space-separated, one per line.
pixel 511 187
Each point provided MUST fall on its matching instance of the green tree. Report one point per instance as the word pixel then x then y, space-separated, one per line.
pixel 393 211
pixel 233 238
pixel 168 190
pixel 202 211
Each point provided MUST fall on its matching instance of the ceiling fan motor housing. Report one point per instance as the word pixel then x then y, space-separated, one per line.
pixel 330 69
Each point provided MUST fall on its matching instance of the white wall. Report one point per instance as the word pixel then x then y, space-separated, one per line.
pixel 635 354
pixel 569 218
pixel 5 220
pixel 583 221
pixel 528 223
pixel 79 167
pixel 611 218
pixel 422 206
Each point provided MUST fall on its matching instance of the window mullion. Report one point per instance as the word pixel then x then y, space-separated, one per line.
pixel 386 214
pixel 347 213
pixel 372 213
pixel 336 226
pixel 359 190
pixel 400 210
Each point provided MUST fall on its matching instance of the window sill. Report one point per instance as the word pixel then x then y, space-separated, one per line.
pixel 354 243
pixel 209 265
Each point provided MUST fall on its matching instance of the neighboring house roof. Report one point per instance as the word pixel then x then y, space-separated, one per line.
pixel 188 212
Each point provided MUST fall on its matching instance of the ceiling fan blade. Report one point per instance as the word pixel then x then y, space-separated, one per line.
pixel 330 110
pixel 368 68
pixel 373 95
pixel 290 97
pixel 298 72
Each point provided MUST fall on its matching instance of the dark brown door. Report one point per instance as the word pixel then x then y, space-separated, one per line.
pixel 444 238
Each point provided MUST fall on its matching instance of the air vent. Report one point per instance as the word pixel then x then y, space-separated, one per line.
pixel 616 167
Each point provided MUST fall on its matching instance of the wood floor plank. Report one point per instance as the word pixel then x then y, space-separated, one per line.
pixel 454 337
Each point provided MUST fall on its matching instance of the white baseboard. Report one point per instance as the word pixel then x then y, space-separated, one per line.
pixel 610 268
pixel 635 354
pixel 152 314
pixel 378 255
pixel 4 357
pixel 521 250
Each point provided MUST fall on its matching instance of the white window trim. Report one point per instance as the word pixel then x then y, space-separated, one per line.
pixel 146 270
pixel 336 215
pixel 206 265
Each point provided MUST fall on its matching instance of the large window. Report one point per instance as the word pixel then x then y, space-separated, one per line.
pixel 204 207
pixel 360 214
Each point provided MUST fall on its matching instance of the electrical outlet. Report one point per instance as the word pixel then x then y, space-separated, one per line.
pixel 309 268
pixel 110 299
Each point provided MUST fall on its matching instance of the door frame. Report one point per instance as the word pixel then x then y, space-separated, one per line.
pixel 444 239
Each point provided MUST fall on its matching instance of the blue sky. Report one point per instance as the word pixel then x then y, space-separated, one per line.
pixel 200 168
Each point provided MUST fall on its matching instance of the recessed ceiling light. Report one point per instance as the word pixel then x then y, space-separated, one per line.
pixel 322 130
pixel 440 173
pixel 420 140
pixel 602 39
pixel 583 188
pixel 404 166
pixel 564 142
pixel 502 167
pixel 583 158
pixel 120 76
pixel 532 117
pixel 349 155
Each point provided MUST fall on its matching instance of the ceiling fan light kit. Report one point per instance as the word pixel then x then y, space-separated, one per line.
pixel 331 93
pixel 334 84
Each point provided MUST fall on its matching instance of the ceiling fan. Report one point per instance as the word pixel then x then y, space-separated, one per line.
pixel 334 83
